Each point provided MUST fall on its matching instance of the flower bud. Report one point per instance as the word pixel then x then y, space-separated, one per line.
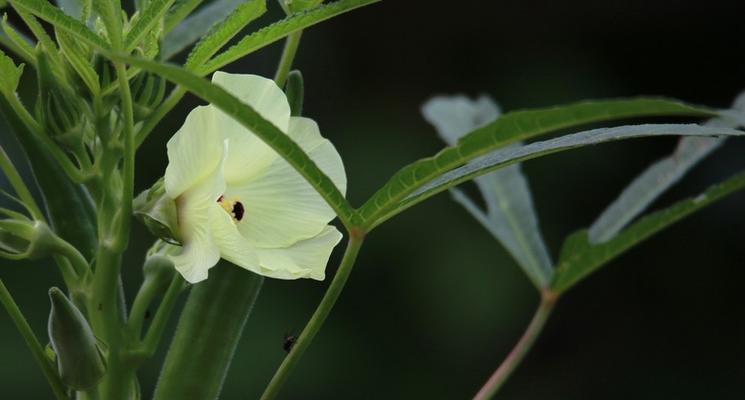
pixel 158 268
pixel 79 359
pixel 23 238
pixel 158 212
pixel 62 113
pixel 148 91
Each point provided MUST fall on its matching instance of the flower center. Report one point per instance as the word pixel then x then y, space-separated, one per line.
pixel 232 207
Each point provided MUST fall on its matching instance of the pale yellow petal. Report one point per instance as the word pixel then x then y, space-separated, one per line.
pixel 200 252
pixel 281 206
pixel 233 247
pixel 247 153
pixel 194 152
pixel 304 259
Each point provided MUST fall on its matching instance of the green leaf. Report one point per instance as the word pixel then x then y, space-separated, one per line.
pixel 657 178
pixel 515 154
pixel 511 128
pixel 110 12
pixel 17 42
pixel 279 30
pixel 60 20
pixel 79 58
pixel 196 26
pixel 510 215
pixel 10 75
pixel 221 33
pixel 265 130
pixel 579 257
pixel 146 22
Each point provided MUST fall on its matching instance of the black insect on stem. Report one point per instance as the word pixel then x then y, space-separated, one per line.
pixel 289 341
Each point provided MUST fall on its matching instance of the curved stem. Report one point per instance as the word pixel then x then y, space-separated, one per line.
pixel 523 346
pixel 318 318
pixel 79 263
pixel 158 326
pixel 288 56
pixel 19 185
pixel 33 343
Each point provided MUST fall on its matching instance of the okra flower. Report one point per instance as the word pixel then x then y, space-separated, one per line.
pixel 236 198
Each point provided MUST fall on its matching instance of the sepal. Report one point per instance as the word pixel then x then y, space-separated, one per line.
pixel 24 238
pixel 158 268
pixel 158 212
pixel 62 113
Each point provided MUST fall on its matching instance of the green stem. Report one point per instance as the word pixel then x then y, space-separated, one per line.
pixel 523 346
pixel 207 334
pixel 288 57
pixel 32 342
pixel 158 326
pixel 155 332
pixel 115 210
pixel 128 165
pixel 106 320
pixel 19 185
pixel 79 263
pixel 318 318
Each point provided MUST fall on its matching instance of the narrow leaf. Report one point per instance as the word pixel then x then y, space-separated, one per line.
pixel 146 22
pixel 252 120
pixel 10 75
pixel 511 155
pixel 510 215
pixel 221 33
pixel 196 26
pixel 55 16
pixel 17 42
pixel 656 179
pixel 579 257
pixel 110 12
pixel 279 30
pixel 511 128
pixel 79 60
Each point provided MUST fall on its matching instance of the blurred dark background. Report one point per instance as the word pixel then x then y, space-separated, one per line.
pixel 435 303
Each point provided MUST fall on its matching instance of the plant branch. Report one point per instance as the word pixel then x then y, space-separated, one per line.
pixel 19 185
pixel 319 317
pixel 158 326
pixel 129 156
pixel 288 56
pixel 523 346
pixel 32 342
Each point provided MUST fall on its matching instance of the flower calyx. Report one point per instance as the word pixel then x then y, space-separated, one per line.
pixel 158 213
